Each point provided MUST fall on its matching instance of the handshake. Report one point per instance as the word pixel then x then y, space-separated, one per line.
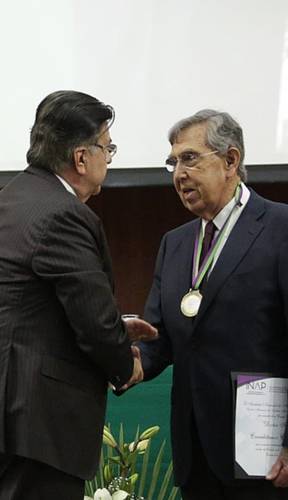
pixel 137 330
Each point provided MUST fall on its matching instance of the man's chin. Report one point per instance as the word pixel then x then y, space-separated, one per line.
pixel 97 190
pixel 194 207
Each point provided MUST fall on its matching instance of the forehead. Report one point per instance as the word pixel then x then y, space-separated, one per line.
pixel 193 137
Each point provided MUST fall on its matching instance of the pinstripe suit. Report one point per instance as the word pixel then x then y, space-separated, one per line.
pixel 61 336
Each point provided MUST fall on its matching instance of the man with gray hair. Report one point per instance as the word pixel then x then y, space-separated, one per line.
pixel 220 302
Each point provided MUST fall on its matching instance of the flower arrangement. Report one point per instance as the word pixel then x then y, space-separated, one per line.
pixel 103 494
pixel 123 470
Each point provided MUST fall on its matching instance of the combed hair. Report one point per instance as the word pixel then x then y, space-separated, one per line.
pixel 222 133
pixel 65 120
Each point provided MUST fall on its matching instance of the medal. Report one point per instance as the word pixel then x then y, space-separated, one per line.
pixel 190 303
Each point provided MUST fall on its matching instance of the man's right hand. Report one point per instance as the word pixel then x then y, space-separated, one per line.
pixel 138 374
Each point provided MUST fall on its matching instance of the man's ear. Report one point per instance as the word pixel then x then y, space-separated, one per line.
pixel 80 160
pixel 232 159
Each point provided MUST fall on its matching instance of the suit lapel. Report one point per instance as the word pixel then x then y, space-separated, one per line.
pixel 244 233
pixel 185 257
pixel 181 278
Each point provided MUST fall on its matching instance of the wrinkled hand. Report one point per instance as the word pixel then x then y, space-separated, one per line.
pixel 279 471
pixel 138 329
pixel 137 375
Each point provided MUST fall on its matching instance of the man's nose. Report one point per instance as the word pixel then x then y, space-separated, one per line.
pixel 180 173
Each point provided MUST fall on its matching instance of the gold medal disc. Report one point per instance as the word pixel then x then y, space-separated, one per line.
pixel 190 303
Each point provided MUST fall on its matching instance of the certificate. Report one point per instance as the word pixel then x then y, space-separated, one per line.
pixel 260 419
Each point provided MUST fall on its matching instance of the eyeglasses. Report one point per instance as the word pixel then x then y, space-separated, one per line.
pixel 186 160
pixel 109 151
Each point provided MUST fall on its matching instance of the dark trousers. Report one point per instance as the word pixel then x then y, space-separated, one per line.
pixel 211 488
pixel 25 479
pixel 204 485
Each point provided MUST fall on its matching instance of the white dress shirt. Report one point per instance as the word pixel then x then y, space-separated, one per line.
pixel 221 218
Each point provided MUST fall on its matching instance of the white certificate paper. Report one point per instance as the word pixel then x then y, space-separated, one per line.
pixel 260 418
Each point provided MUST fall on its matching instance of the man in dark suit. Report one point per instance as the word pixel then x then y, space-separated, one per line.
pixel 227 312
pixel 62 339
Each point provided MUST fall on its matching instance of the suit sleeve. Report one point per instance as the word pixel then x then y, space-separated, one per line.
pixel 283 280
pixel 73 257
pixel 156 355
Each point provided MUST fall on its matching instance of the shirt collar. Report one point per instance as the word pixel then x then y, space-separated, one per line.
pixel 66 185
pixel 221 218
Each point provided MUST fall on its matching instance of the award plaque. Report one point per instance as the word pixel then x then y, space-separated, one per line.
pixel 260 418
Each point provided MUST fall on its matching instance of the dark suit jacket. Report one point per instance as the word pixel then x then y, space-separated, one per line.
pixel 61 335
pixel 241 325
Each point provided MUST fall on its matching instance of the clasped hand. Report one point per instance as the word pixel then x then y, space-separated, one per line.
pixel 139 329
pixel 137 375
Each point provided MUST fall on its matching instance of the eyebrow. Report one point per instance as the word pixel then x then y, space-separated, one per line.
pixel 185 151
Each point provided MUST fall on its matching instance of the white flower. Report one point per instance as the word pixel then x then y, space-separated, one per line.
pixel 102 494
pixel 108 438
pixel 119 495
pixel 141 446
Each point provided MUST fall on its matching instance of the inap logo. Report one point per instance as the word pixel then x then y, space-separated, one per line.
pixel 257 386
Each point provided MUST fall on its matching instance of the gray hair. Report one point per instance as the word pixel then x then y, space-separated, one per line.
pixel 222 133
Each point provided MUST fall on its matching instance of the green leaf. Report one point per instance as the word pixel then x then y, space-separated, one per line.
pixel 94 484
pixel 133 460
pixel 165 483
pixel 156 470
pixel 137 434
pixel 108 454
pixel 101 466
pixel 89 489
pixel 121 436
pixel 143 473
pixel 173 493
pixel 115 460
